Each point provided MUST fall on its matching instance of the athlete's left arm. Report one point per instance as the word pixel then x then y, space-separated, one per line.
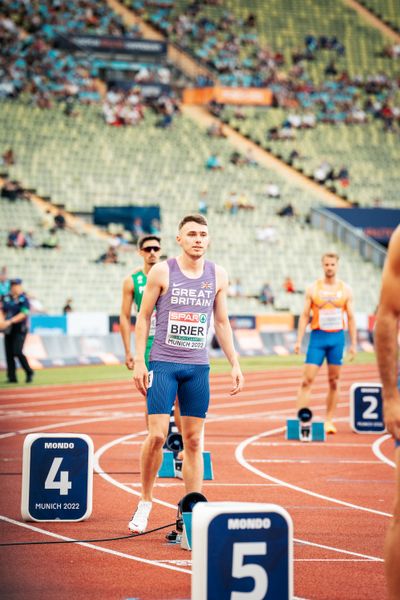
pixel 223 330
pixel 386 335
pixel 351 320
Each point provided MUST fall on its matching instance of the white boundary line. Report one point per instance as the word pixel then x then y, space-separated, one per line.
pixel 93 546
pixel 376 449
pixel 242 461
pixel 125 488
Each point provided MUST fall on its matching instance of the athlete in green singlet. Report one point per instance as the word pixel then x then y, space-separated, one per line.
pixel 132 292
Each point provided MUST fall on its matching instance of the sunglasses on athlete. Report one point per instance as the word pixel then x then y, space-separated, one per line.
pixel 150 248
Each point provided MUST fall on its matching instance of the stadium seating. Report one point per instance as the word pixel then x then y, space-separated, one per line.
pixel 371 154
pixel 80 163
pixel 386 10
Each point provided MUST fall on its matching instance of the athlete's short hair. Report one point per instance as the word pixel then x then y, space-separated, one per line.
pixel 196 218
pixel 146 238
pixel 330 255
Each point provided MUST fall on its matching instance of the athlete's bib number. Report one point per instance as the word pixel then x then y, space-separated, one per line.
pixel 330 319
pixel 187 330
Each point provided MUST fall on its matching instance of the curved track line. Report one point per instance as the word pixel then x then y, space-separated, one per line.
pixel 125 488
pixel 376 449
pixel 153 563
pixel 242 461
pixel 109 479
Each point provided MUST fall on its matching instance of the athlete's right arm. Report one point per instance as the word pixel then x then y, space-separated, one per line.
pixel 386 334
pixel 303 320
pixel 125 319
pixel 157 281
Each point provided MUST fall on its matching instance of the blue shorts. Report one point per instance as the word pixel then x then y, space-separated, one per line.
pixel 326 344
pixel 190 382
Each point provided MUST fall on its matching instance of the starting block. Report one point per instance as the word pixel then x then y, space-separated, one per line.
pixel 171 465
pixel 304 428
pixel 183 533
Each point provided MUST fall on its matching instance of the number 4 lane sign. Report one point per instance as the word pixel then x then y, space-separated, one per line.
pixel 57 477
pixel 241 551
pixel 366 408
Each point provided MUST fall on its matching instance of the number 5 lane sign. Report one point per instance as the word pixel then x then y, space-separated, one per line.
pixel 241 551
pixel 57 477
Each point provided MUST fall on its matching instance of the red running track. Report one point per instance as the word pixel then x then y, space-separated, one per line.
pixel 339 493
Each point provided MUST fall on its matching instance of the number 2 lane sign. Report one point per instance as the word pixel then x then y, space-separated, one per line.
pixel 57 477
pixel 366 408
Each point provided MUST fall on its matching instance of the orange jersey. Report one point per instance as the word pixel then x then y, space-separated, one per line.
pixel 328 304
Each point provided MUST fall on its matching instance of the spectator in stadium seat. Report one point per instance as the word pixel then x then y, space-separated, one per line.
pixel 213 163
pixel 203 206
pixel 51 241
pixel 9 157
pixel 137 229
pixel 216 130
pixel 289 287
pixel 273 190
pixel 266 295
pixel 343 176
pixel 67 306
pixel 286 211
pixel 59 220
pixel 4 281
pixel 155 227
pixel 110 257
pixel 16 239
pixel 47 221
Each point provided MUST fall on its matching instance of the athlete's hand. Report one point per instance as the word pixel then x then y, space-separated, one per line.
pixel 297 348
pixel 130 363
pixel 352 352
pixel 391 412
pixel 237 380
pixel 141 376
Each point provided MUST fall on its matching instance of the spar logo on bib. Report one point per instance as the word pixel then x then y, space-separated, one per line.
pixel 187 330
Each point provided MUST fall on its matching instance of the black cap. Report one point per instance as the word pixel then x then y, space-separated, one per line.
pixel 16 281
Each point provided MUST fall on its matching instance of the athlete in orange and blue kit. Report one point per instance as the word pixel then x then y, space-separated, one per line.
pixel 327 300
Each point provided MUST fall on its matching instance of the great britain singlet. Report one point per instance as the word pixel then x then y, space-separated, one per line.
pixel 183 316
pixel 328 305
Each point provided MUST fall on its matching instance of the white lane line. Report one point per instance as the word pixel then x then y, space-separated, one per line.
pixel 94 547
pixel 63 424
pixel 376 449
pixel 242 461
pixel 122 391
pixel 340 551
pixel 107 477
pixel 335 560
pixel 205 484
pixel 320 446
pixel 315 461
pixel 125 487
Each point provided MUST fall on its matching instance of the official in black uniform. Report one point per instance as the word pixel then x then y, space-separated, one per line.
pixel 14 311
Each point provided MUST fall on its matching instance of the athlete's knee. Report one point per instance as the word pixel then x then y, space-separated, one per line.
pixel 156 440
pixel 333 381
pixel 192 442
pixel 306 382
